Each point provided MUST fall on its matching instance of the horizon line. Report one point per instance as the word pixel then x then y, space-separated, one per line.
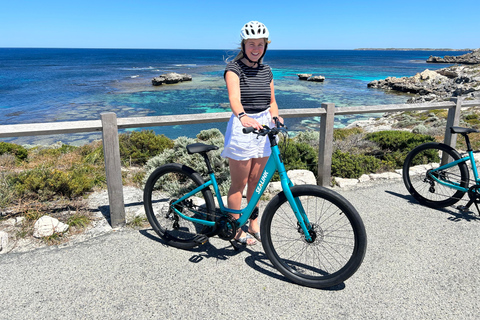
pixel 355 49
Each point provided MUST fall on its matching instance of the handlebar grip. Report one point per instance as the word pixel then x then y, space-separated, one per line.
pixel 248 130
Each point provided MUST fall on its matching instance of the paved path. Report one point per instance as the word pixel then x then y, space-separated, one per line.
pixel 420 264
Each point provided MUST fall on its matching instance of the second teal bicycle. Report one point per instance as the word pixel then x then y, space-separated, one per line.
pixel 311 234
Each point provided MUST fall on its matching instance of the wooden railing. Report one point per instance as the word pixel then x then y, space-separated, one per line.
pixel 109 125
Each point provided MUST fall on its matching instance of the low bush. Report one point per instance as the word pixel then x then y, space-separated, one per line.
pixel 137 147
pixel 347 165
pixel 19 152
pixel 47 183
pixel 300 155
pixel 395 145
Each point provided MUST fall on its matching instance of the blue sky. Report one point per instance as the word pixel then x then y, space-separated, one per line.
pixel 188 24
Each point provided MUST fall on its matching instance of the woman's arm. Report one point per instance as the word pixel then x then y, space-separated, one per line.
pixel 273 104
pixel 233 87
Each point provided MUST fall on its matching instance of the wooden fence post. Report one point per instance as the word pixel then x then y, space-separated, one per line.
pixel 453 119
pixel 111 151
pixel 325 147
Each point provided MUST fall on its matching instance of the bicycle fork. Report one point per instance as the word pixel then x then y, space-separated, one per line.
pixel 304 224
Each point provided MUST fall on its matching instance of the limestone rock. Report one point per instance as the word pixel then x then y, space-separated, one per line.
pixel 316 78
pixel 3 241
pixel 468 58
pixel 171 78
pixel 46 226
pixel 439 85
pixel 304 76
pixel 345 183
pixel 309 77
pixel 299 177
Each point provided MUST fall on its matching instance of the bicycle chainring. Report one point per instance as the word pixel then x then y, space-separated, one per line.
pixel 474 193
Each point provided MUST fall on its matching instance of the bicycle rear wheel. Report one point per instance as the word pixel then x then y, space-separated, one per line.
pixel 338 234
pixel 166 185
pixel 420 184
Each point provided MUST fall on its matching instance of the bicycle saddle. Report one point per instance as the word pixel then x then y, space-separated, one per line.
pixel 200 147
pixel 462 130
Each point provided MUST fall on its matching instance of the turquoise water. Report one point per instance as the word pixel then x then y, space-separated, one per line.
pixel 46 85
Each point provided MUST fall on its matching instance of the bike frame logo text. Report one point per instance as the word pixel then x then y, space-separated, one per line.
pixel 262 181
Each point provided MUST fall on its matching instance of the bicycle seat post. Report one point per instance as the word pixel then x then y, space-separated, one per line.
pixel 467 141
pixel 207 162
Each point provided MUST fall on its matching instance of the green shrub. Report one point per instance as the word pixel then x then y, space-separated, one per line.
pixel 347 165
pixel 178 154
pixel 46 183
pixel 309 137
pixel 19 152
pixel 56 152
pixel 299 155
pixel 395 145
pixel 398 140
pixel 137 147
pixel 342 134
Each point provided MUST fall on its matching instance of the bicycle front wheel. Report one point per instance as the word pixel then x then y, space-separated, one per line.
pixel 418 176
pixel 166 185
pixel 338 244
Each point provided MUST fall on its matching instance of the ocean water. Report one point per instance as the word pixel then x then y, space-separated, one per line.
pixel 46 85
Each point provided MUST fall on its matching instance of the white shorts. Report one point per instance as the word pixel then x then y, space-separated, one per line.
pixel 241 146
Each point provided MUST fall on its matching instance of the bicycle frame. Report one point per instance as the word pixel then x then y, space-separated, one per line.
pixel 452 164
pixel 274 164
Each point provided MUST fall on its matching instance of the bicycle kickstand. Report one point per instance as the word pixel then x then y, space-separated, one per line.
pixel 466 208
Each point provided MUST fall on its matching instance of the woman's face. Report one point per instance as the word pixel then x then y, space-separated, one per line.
pixel 254 48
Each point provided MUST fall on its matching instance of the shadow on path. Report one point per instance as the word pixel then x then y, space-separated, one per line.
pixel 256 260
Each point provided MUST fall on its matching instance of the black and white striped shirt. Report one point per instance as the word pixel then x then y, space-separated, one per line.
pixel 255 93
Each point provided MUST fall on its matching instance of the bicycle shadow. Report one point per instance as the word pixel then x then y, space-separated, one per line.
pixel 456 214
pixel 256 260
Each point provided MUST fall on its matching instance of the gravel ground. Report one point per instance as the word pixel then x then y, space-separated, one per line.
pixel 421 263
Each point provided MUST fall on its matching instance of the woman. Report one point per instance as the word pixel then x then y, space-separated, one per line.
pixel 252 100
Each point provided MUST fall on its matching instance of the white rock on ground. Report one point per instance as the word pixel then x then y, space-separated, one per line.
pixel 3 241
pixel 47 226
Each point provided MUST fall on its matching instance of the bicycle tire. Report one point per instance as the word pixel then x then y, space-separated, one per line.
pixel 339 246
pixel 426 190
pixel 166 184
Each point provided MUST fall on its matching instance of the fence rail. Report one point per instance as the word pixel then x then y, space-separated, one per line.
pixel 109 125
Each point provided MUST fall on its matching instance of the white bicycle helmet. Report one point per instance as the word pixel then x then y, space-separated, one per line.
pixel 254 30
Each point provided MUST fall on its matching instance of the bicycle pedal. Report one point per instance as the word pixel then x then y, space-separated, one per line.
pixel 463 208
pixel 200 239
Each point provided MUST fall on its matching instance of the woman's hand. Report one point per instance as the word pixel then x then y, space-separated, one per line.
pixel 250 122
pixel 280 119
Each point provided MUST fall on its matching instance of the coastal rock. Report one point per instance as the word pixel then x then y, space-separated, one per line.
pixel 171 78
pixel 440 85
pixel 3 241
pixel 309 77
pixel 316 78
pixel 304 76
pixel 468 58
pixel 47 226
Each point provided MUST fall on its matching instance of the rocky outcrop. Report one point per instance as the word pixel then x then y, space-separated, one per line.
pixel 309 77
pixel 171 78
pixel 468 58
pixel 439 85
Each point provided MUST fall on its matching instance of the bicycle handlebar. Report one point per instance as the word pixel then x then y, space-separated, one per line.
pixel 266 130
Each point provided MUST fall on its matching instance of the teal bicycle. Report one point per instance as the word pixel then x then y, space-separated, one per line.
pixel 311 234
pixel 436 175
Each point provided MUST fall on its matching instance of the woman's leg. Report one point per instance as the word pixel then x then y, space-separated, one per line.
pixel 256 170
pixel 239 173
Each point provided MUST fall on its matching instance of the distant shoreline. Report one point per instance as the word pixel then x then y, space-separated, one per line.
pixel 410 49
